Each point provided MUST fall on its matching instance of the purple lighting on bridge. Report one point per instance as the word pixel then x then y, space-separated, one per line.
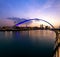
pixel 35 19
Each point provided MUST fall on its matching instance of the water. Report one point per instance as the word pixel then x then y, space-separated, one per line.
pixel 34 43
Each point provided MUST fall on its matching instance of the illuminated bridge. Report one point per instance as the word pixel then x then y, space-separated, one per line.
pixel 34 19
pixel 56 52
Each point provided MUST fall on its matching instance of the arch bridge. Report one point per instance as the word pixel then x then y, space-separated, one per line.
pixel 35 19
pixel 57 43
pixel 53 28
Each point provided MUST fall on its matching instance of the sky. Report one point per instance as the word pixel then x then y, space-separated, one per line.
pixel 48 10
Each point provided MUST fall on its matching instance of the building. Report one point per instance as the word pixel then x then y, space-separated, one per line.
pixel 41 26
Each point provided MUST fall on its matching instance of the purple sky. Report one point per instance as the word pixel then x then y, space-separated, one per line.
pixel 44 9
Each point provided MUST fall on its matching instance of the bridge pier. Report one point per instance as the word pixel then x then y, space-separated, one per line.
pixel 57 46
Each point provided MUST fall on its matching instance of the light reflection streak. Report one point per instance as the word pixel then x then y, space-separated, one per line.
pixel 42 35
pixel 8 34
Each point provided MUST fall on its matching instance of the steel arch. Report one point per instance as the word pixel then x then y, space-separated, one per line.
pixel 35 19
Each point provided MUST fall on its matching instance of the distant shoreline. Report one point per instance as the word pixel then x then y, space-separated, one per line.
pixel 23 30
pixel 30 29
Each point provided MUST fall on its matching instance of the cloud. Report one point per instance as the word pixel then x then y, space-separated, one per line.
pixel 48 4
pixel 18 20
pixel 6 22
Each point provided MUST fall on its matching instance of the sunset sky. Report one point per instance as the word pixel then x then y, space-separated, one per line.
pixel 48 10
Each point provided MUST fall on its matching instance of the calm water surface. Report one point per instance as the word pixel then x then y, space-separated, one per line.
pixel 34 43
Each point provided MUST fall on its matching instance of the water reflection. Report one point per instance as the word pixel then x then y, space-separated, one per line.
pixel 34 35
pixel 36 42
pixel 42 36
pixel 8 34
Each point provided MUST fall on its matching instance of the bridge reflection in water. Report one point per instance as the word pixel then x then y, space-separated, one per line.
pixel 56 52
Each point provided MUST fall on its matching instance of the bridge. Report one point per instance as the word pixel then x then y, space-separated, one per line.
pixel 34 19
pixel 56 52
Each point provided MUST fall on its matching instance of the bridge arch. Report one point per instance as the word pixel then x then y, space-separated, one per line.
pixel 35 19
pixel 57 34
